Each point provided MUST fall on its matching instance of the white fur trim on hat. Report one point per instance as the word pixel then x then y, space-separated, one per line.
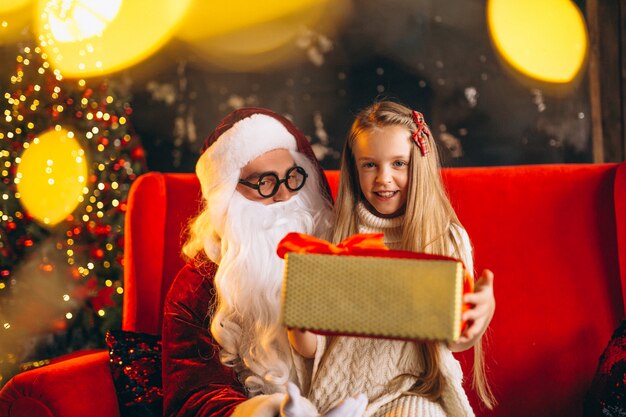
pixel 219 166
pixel 248 139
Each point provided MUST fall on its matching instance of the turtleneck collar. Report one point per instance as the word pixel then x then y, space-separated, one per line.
pixel 371 223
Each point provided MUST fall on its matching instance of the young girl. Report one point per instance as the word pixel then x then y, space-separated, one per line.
pixel 390 183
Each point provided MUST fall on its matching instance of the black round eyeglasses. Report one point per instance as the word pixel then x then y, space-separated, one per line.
pixel 269 183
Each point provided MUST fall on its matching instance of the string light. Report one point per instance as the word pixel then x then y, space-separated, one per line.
pixel 91 249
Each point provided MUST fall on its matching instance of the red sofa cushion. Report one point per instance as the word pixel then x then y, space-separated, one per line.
pixel 81 386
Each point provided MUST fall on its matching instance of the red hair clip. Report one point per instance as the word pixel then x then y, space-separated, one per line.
pixel 422 132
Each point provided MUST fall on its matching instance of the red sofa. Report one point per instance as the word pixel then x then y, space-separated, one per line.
pixel 555 236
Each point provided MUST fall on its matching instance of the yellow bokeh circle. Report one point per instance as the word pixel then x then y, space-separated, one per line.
pixel 543 39
pixel 86 38
pixel 242 35
pixel 10 6
pixel 52 175
pixel 15 19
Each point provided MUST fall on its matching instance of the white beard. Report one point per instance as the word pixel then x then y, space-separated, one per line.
pixel 248 284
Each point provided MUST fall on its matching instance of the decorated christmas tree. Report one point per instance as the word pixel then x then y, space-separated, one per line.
pixel 67 159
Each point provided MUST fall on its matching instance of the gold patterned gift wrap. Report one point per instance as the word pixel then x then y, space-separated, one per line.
pixel 365 289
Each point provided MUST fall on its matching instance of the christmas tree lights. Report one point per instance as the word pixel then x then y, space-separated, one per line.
pixel 83 253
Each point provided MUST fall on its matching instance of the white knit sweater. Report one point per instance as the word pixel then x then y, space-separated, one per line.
pixel 385 370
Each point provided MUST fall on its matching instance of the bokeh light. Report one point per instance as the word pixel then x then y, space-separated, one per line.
pixel 543 39
pixel 51 176
pixel 86 38
pixel 12 5
pixel 15 17
pixel 84 20
pixel 241 35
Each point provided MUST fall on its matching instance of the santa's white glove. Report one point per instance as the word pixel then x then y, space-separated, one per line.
pixel 295 405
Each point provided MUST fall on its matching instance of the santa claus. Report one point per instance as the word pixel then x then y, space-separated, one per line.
pixel 225 351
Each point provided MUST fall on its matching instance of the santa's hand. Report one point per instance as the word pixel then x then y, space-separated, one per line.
pixel 350 407
pixel 295 405
pixel 259 406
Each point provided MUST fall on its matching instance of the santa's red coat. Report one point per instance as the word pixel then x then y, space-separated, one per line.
pixel 195 383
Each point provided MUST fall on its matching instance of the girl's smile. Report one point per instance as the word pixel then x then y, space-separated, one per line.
pixel 386 195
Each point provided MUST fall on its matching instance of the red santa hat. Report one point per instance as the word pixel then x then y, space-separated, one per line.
pixel 239 138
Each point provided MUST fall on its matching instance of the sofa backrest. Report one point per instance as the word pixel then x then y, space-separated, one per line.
pixel 550 234
pixel 554 235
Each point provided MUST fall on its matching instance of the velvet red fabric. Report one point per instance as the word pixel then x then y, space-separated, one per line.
pixel 549 234
pixel 195 383
pixel 81 386
pixel 554 235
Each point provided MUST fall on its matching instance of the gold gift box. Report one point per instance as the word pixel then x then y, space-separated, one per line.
pixel 373 296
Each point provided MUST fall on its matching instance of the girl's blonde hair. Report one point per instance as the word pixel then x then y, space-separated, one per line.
pixel 429 222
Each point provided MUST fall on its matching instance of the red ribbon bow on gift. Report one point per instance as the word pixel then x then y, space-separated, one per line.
pixel 360 244
pixel 422 132
pixel 301 243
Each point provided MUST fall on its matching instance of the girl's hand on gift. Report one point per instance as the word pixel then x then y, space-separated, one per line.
pixel 482 307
